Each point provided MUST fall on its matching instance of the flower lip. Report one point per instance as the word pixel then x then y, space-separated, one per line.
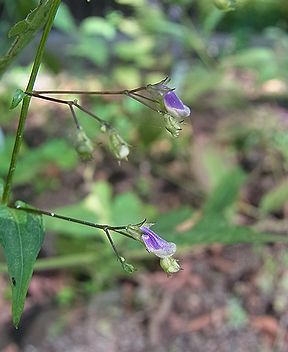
pixel 174 105
pixel 156 244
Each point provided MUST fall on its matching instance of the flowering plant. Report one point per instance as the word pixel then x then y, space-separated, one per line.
pixel 21 226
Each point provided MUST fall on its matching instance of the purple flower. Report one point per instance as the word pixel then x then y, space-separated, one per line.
pixel 156 244
pixel 174 105
pixel 168 99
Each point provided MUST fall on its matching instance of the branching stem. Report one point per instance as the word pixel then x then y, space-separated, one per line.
pixel 70 103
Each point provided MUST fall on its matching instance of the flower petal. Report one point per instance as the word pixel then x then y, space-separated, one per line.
pixel 156 244
pixel 175 106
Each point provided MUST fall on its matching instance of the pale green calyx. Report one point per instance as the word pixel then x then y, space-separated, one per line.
pixel 172 125
pixel 117 145
pixel 170 265
pixel 134 231
pixel 83 145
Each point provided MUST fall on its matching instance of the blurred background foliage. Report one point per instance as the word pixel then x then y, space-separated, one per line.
pixel 223 180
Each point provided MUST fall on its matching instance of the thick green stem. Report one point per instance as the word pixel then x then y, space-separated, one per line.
pixel 26 102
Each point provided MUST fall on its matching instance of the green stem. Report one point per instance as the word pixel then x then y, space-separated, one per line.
pixel 90 92
pixel 26 101
pixel 118 229
pixel 113 245
pixel 70 103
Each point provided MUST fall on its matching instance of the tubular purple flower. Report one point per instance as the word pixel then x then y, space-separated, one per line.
pixel 168 99
pixel 155 244
pixel 175 106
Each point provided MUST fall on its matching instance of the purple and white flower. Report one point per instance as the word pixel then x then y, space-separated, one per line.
pixel 168 99
pixel 155 244
pixel 174 105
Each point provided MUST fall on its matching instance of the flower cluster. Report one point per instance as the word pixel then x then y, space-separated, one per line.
pixel 160 98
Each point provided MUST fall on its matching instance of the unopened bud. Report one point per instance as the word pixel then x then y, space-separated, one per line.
pixel 83 145
pixel 129 268
pixel 172 125
pixel 170 265
pixel 118 146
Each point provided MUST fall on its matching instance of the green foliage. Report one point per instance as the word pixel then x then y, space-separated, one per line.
pixel 262 60
pixel 100 207
pixel 210 225
pixel 226 5
pixel 225 193
pixel 124 48
pixel 237 315
pixel 276 198
pixel 35 161
pixel 24 31
pixel 64 21
pixel 208 230
pixel 21 236
pixel 98 26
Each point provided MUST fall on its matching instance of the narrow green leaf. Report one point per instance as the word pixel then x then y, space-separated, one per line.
pixel 17 98
pixel 275 198
pixel 208 230
pixel 21 236
pixel 24 31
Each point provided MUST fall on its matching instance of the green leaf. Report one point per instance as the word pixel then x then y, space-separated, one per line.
pixel 96 207
pixel 64 20
pixel 128 208
pixel 34 161
pixel 21 236
pixel 225 193
pixel 185 227
pixel 275 198
pixel 99 55
pixel 24 31
pixel 17 98
pixel 100 207
pixel 208 157
pixel 174 226
pixel 98 26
